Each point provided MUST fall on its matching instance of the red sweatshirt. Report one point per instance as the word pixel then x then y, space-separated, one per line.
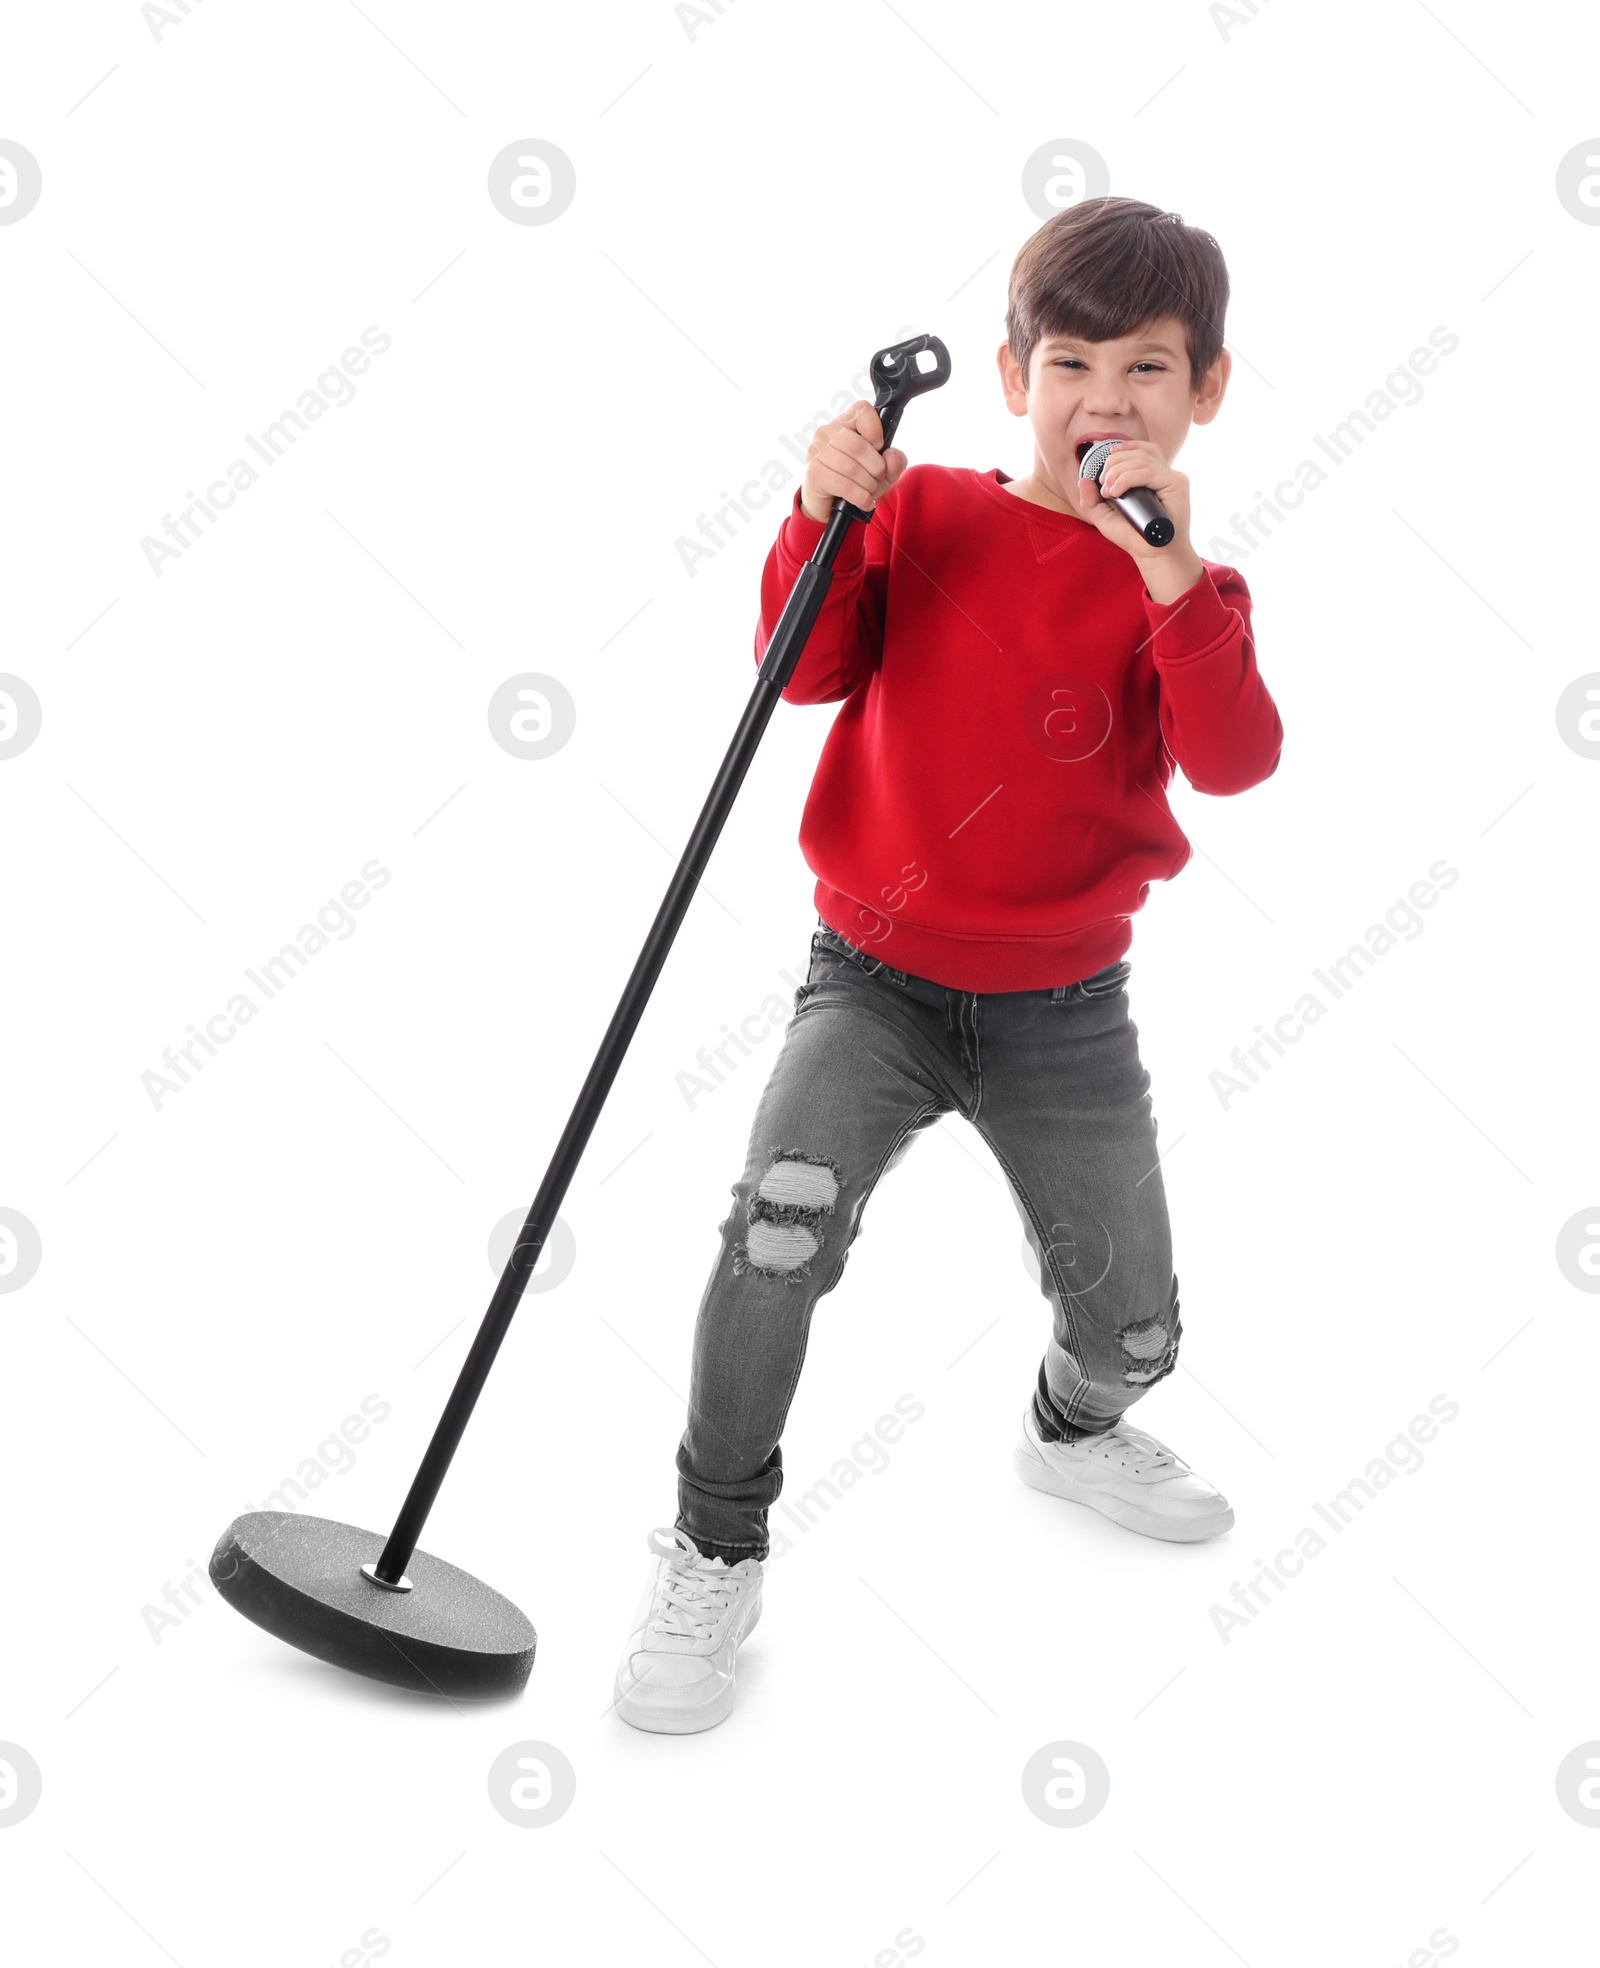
pixel 990 805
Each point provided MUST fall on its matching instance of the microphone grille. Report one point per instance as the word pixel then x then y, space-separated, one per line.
pixel 1094 459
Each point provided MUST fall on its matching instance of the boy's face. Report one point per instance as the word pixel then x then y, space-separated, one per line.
pixel 1138 385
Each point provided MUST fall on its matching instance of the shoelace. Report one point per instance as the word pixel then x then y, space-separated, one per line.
pixel 689 1599
pixel 1142 1450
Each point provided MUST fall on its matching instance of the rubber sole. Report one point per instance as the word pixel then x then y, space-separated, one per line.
pixel 682 1721
pixel 1039 1476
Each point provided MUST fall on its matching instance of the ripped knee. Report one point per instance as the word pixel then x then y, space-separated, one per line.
pixel 1150 1347
pixel 787 1215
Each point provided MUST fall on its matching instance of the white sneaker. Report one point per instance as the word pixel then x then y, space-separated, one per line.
pixel 1127 1476
pixel 676 1672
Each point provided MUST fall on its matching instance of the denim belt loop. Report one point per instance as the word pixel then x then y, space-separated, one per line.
pixel 874 966
pixel 1059 993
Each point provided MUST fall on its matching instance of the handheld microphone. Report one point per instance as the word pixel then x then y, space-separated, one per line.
pixel 1138 504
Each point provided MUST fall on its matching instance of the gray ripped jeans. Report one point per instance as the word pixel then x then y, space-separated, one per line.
pixel 1052 1081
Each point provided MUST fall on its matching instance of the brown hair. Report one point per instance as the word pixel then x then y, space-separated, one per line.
pixel 1104 267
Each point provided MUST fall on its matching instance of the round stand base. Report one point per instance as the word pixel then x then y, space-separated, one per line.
pixel 301 1579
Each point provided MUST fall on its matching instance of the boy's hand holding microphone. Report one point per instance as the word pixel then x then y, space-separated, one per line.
pixel 1171 569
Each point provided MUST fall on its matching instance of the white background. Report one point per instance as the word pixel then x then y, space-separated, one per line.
pixel 761 202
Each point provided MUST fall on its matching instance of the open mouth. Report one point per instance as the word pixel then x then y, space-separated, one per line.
pixel 1086 444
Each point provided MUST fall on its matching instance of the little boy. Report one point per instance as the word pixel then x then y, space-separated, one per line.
pixel 1020 674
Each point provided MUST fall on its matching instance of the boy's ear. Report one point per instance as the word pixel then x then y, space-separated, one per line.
pixel 1211 389
pixel 1013 385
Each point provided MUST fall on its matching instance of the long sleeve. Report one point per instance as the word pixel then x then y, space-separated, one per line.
pixel 1217 718
pixel 846 641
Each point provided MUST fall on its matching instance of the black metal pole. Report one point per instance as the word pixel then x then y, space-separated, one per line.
pixel 777 664
pixel 782 653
